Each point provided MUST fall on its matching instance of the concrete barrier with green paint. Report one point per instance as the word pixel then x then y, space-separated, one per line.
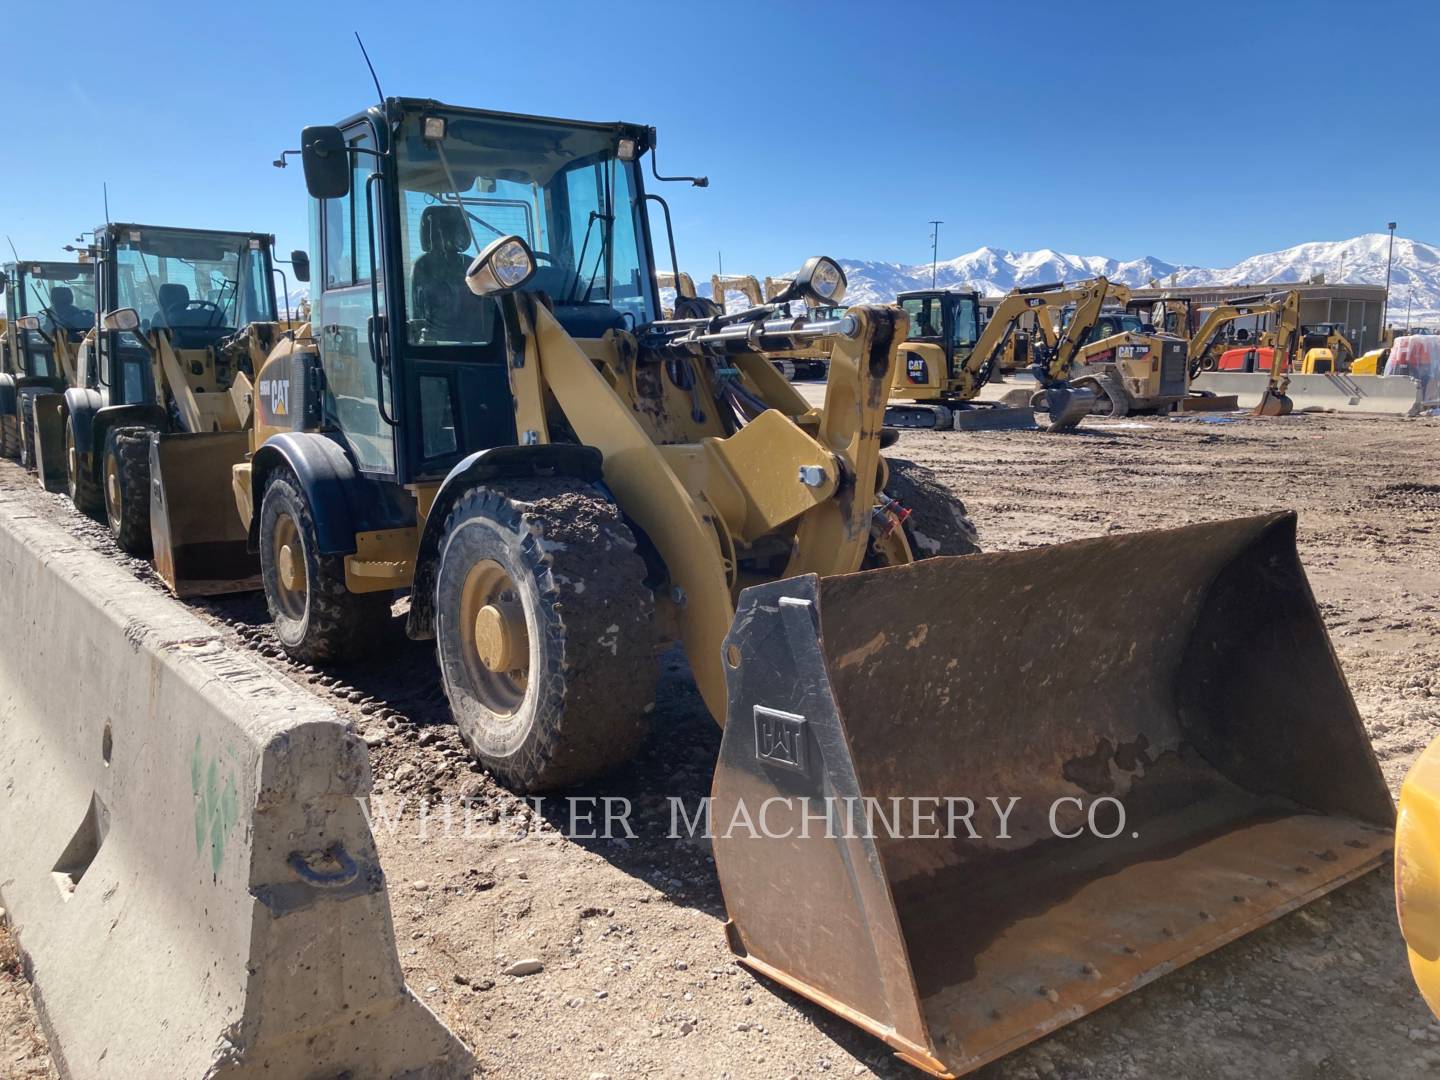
pixel 183 852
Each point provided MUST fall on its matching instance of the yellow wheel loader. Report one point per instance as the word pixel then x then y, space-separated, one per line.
pixel 1417 872
pixel 52 309
pixel 186 316
pixel 948 356
pixel 491 414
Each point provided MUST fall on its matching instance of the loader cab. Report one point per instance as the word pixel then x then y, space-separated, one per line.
pixel 197 285
pixel 943 318
pixel 415 364
pixel 61 296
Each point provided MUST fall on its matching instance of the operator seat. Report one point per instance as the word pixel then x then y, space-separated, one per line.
pixel 67 316
pixel 440 299
pixel 172 298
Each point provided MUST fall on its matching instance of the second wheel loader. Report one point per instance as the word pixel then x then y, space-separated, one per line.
pixel 52 310
pixel 187 315
pixel 491 414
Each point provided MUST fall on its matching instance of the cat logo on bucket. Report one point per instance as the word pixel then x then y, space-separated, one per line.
pixel 780 738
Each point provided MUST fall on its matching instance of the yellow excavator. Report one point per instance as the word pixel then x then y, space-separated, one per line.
pixel 947 358
pixel 496 419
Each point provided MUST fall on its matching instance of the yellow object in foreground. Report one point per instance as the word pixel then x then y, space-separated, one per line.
pixel 1417 872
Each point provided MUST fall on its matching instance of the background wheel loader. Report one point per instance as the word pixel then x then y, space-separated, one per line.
pixel 186 317
pixel 52 309
pixel 564 481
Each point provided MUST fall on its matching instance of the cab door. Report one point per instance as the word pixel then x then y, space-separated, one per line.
pixel 350 314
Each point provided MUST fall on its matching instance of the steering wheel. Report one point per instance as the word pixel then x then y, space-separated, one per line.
pixel 205 305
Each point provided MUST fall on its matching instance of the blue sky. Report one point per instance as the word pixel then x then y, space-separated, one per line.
pixel 1197 133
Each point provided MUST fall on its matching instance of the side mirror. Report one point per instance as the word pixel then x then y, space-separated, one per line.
pixel 300 264
pixel 125 318
pixel 502 267
pixel 820 280
pixel 28 322
pixel 326 160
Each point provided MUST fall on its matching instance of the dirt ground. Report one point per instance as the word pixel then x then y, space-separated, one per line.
pixel 635 978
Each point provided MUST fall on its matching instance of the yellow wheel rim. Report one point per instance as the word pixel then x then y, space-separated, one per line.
pixel 112 490
pixel 287 551
pixel 495 640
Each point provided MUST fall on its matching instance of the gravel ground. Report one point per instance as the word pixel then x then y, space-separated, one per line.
pixel 635 979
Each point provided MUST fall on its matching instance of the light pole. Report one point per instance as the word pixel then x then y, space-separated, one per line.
pixel 1385 308
pixel 934 248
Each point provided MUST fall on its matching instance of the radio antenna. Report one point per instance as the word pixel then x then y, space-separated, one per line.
pixel 378 92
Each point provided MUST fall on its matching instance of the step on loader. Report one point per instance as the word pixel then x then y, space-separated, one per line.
pixel 491 414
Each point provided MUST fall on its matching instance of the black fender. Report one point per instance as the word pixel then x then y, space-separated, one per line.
pixel 9 399
pixel 44 384
pixel 548 459
pixel 342 500
pixel 80 407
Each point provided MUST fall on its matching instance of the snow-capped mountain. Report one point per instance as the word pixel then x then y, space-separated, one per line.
pixel 1415 276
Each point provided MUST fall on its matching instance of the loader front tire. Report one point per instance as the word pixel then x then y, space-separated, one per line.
pixel 126 469
pixel 938 523
pixel 9 436
pixel 316 617
pixel 84 491
pixel 545 632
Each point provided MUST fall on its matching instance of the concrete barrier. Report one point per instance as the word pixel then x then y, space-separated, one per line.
pixel 183 852
pixel 1397 395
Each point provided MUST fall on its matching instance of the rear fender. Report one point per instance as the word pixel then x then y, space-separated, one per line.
pixel 8 397
pixel 342 500
pixel 549 459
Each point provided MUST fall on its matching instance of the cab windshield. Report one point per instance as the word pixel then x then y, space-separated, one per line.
pixel 182 280
pixel 61 294
pixel 563 189
pixel 927 319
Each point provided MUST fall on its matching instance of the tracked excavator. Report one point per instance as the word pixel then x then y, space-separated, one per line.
pixel 948 357
pixel 52 310
pixel 1147 364
pixel 493 416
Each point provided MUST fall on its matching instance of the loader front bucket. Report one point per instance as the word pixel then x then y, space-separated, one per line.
pixel 201 545
pixel 1164 708
pixel 50 464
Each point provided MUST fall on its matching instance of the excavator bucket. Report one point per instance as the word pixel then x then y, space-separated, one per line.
pixel 201 546
pixel 1273 403
pixel 965 801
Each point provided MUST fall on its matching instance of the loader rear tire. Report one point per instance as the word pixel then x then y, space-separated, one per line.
pixel 27 430
pixel 126 469
pixel 938 523
pixel 316 617
pixel 84 491
pixel 9 436
pixel 545 632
